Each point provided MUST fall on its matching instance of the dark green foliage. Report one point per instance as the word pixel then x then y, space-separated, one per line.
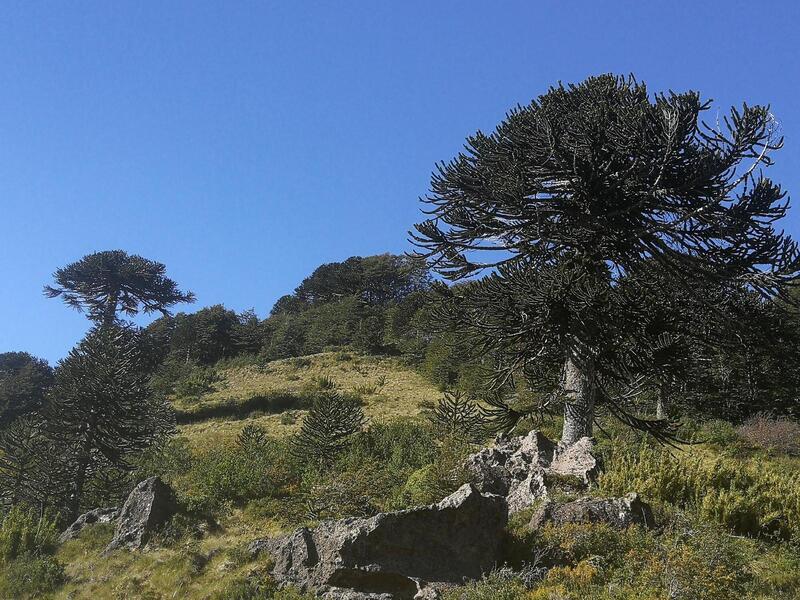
pixel 104 283
pixel 588 186
pixel 252 439
pixel 457 415
pixel 30 471
pixel 375 280
pixel 328 427
pixel 102 409
pixel 24 380
pixel 274 402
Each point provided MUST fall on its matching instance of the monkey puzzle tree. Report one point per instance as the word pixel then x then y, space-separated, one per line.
pixel 24 380
pixel 106 282
pixel 101 408
pixel 590 184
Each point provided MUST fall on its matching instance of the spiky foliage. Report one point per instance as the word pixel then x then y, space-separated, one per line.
pixel 589 185
pixel 328 427
pixel 456 414
pixel 105 283
pixel 24 380
pixel 30 469
pixel 102 409
pixel 252 439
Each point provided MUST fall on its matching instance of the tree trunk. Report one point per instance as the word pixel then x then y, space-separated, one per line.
pixel 74 504
pixel 110 310
pixel 579 390
pixel 661 401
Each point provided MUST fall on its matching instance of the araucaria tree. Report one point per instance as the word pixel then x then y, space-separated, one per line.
pixel 102 410
pixel 105 283
pixel 590 185
pixel 328 427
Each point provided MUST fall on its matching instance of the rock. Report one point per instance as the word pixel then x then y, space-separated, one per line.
pixel 396 554
pixel 576 461
pixel 519 468
pixel 98 515
pixel 149 505
pixel 617 512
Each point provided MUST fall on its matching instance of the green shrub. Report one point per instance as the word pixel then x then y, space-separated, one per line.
pixel 23 532
pixel 167 459
pixel 498 585
pixel 441 477
pixel 197 382
pixel 30 576
pixel 233 476
pixel 752 500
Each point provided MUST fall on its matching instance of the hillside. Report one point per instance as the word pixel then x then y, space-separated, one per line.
pixel 207 560
pixel 387 387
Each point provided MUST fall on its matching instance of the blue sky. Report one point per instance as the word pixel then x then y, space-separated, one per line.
pixel 243 144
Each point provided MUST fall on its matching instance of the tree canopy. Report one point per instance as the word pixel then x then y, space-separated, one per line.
pixel 105 283
pixel 24 380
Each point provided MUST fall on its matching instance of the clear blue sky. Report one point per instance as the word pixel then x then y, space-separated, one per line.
pixel 243 144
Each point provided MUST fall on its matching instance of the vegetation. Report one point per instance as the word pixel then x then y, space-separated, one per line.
pixel 589 204
pixel 104 283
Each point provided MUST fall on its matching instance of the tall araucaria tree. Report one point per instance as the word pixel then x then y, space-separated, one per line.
pixel 586 186
pixel 102 409
pixel 105 283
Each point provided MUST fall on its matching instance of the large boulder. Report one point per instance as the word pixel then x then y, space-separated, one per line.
pixel 148 506
pixel 617 512
pixel 521 468
pixel 98 515
pixel 399 555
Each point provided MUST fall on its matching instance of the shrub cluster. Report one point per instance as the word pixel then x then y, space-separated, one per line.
pixel 751 499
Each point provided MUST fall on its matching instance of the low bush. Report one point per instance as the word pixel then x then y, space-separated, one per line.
pixel 773 434
pixel 752 500
pixel 197 382
pixel 235 408
pixel 233 476
pixel 24 532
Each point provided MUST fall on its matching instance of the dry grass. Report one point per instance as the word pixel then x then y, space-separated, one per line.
pixel 398 391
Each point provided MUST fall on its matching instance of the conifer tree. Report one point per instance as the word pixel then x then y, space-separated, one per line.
pixel 587 185
pixel 105 283
pixel 328 427
pixel 102 409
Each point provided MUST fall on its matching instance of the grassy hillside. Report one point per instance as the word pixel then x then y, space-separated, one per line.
pixel 729 509
pixel 388 388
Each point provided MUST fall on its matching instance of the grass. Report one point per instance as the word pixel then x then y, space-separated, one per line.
pixel 396 391
pixel 192 570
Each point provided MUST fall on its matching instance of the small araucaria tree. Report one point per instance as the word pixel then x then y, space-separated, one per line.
pixel 105 283
pixel 590 185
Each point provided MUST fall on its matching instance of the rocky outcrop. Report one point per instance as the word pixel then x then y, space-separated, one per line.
pixel 399 555
pixel 617 512
pixel 148 506
pixel 98 515
pixel 521 468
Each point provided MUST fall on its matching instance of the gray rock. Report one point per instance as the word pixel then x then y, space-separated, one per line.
pixel 98 515
pixel 617 512
pixel 519 468
pixel 396 554
pixel 149 505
